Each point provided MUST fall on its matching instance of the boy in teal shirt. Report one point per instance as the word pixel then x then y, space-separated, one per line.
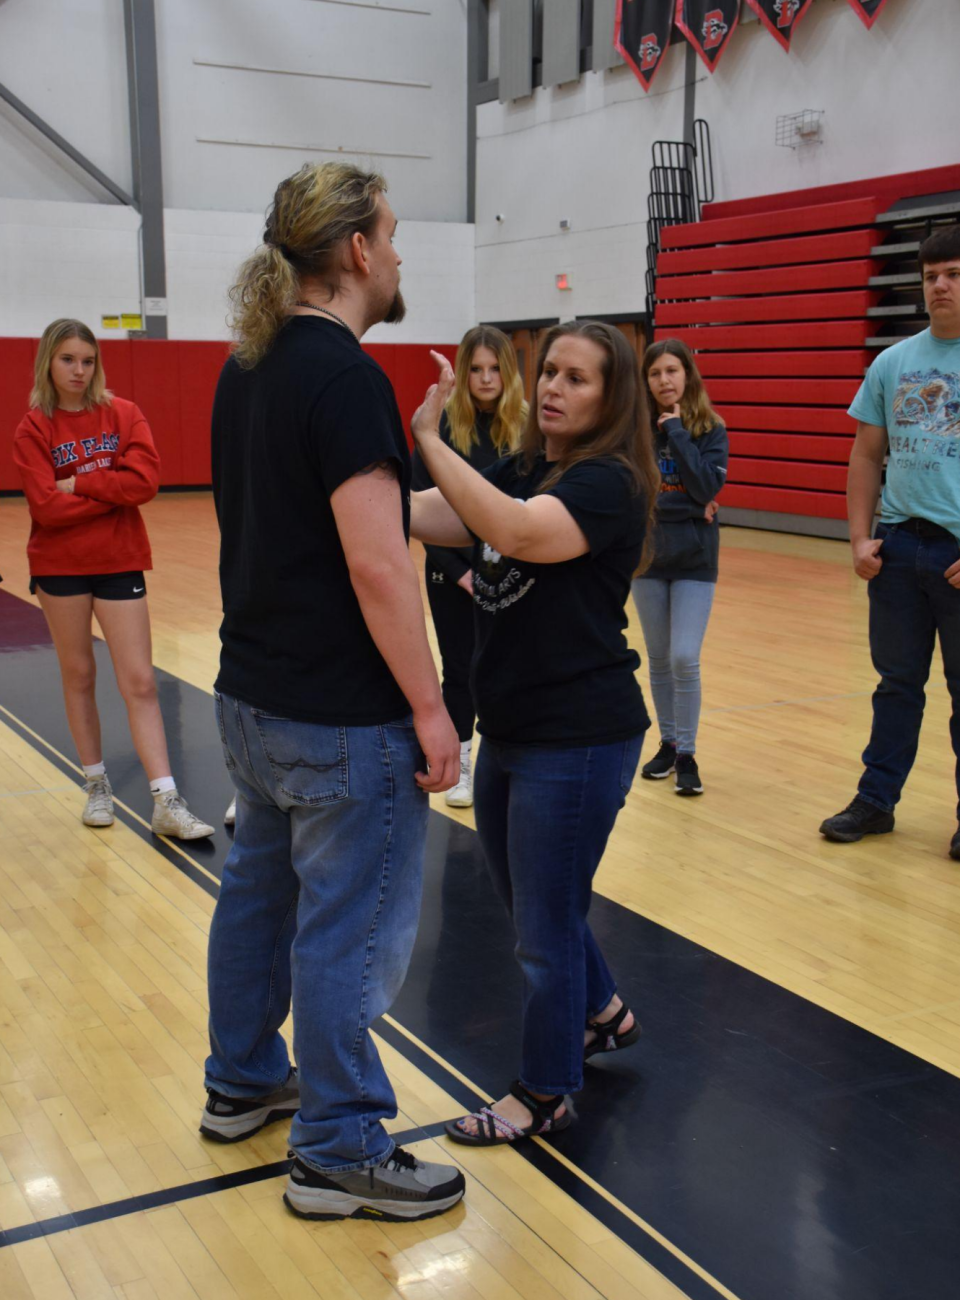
pixel 908 406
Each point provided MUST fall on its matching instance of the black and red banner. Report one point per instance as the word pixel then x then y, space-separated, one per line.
pixel 642 34
pixel 708 26
pixel 868 11
pixel 780 17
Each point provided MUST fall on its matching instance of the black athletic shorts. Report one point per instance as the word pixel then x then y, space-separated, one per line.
pixel 102 586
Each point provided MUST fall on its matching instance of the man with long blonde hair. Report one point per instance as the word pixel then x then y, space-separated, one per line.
pixel 328 703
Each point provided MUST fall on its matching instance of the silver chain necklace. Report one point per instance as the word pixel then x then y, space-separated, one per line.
pixel 313 307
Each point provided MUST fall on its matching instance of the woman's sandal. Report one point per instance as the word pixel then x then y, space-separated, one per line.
pixel 607 1039
pixel 494 1130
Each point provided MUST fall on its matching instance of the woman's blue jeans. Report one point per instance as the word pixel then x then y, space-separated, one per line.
pixel 673 614
pixel 320 900
pixel 544 816
pixel 911 604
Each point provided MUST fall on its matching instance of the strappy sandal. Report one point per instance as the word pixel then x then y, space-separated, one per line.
pixel 607 1039
pixel 494 1130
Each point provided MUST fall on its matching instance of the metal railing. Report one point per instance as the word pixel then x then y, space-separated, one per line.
pixel 681 180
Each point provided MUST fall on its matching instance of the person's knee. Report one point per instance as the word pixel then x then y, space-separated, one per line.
pixel 685 667
pixel 79 676
pixel 139 686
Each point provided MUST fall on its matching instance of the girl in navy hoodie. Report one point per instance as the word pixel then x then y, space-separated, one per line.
pixel 674 596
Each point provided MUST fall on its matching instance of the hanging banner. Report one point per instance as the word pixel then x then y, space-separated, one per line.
pixel 642 34
pixel 780 17
pixel 868 11
pixel 708 25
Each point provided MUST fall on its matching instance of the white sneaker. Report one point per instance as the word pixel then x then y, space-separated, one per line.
pixel 172 817
pixel 230 816
pixel 461 796
pixel 99 807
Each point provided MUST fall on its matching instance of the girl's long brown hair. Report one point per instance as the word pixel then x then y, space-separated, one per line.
pixel 697 414
pixel 511 408
pixel 622 431
pixel 44 394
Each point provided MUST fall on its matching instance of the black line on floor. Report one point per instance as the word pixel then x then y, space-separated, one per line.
pixel 645 1245
pixel 174 1195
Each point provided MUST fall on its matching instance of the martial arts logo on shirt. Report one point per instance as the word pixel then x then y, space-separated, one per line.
pixel 930 400
pixel 498 583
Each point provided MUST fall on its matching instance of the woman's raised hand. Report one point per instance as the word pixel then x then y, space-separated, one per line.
pixel 672 414
pixel 426 419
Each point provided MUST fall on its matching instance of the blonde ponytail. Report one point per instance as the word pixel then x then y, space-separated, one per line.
pixel 312 214
pixel 265 290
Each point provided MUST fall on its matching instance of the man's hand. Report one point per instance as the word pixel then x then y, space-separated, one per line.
pixel 441 748
pixel 672 414
pixel 66 484
pixel 952 574
pixel 466 580
pixel 866 558
pixel 711 510
pixel 426 419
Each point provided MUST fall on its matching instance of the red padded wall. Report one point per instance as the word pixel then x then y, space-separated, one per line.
pixel 16 380
pixel 173 383
pixel 800 264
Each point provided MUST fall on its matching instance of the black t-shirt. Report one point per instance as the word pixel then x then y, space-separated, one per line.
pixel 455 561
pixel 552 666
pixel 286 434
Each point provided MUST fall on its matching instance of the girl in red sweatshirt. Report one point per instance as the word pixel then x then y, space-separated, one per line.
pixel 87 461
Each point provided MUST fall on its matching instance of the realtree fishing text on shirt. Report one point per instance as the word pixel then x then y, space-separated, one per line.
pixel 552 665
pixel 97 528
pixel 913 391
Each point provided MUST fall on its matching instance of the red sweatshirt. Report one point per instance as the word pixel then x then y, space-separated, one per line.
pixel 97 528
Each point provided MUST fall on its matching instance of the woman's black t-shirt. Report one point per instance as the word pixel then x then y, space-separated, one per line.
pixel 552 665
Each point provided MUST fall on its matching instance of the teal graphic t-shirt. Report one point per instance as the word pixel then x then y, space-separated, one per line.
pixel 913 390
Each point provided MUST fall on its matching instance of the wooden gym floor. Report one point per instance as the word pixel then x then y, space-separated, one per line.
pixel 787 1127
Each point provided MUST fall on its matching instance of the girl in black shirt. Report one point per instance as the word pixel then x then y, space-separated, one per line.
pixel 482 421
pixel 563 525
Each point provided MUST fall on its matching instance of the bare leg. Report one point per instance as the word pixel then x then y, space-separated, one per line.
pixel 70 624
pixel 126 628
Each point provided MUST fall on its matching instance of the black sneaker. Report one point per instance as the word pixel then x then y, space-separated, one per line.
pixel 231 1119
pixel 401 1189
pixel 662 763
pixel 859 818
pixel 688 775
pixel 955 845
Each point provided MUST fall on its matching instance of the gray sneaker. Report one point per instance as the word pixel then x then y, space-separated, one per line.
pixel 231 1119
pixel 172 817
pixel 401 1189
pixel 99 807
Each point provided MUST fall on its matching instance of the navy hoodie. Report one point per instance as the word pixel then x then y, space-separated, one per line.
pixel 692 472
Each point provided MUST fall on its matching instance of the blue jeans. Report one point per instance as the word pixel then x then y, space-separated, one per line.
pixel 320 899
pixel 673 614
pixel 911 602
pixel 544 816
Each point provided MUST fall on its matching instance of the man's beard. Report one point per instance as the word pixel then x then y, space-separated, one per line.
pixel 396 311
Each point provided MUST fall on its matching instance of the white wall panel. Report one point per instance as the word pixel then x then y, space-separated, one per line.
pixel 74 259
pixel 66 259
pixel 66 59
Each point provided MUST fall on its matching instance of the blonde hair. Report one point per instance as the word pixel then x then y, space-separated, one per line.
pixel 511 408
pixel 44 394
pixel 697 414
pixel 312 214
